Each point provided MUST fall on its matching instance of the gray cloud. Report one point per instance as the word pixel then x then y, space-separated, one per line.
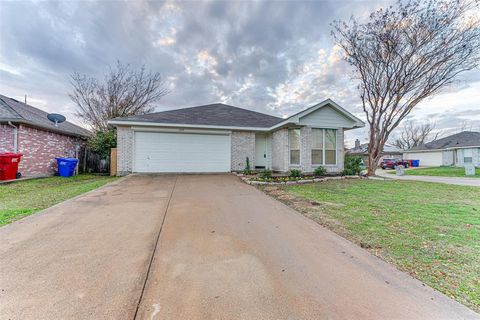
pixel 275 57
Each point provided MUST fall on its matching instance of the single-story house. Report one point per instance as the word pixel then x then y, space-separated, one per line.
pixel 361 150
pixel 219 138
pixel 26 129
pixel 454 150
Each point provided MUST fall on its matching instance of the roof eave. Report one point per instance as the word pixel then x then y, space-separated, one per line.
pixel 442 149
pixel 120 123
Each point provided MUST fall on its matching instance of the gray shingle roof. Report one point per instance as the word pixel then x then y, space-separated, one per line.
pixel 387 148
pixel 462 139
pixel 19 112
pixel 212 114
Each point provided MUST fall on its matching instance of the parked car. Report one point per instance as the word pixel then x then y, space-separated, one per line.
pixel 393 163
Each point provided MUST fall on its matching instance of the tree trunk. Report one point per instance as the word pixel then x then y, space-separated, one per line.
pixel 372 165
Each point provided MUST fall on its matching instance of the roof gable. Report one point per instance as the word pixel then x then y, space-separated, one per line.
pixel 19 112
pixel 342 114
pixel 327 117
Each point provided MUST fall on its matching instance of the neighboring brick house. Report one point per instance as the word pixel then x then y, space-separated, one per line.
pixel 361 150
pixel 219 138
pixel 26 129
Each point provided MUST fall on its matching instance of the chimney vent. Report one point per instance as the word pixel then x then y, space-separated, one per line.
pixel 357 144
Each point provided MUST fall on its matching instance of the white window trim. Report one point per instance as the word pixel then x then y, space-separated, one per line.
pixel 299 164
pixel 323 149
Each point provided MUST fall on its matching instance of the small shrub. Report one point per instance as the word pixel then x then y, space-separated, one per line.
pixel 319 172
pixel 248 169
pixel 353 166
pixel 266 174
pixel 295 173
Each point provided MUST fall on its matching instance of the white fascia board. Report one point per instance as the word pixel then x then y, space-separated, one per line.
pixel 176 125
pixel 180 130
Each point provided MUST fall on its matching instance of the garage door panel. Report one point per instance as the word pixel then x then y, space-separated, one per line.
pixel 427 159
pixel 181 152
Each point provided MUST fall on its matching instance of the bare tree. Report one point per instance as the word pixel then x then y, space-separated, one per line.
pixel 466 126
pixel 124 91
pixel 405 54
pixel 414 134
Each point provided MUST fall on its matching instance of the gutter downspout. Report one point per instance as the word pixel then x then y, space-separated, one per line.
pixel 15 136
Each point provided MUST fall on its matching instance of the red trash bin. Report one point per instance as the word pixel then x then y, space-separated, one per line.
pixel 9 165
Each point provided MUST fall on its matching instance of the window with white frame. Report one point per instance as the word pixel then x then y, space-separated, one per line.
pixel 324 146
pixel 467 156
pixel 294 145
pixel 317 146
pixel 330 146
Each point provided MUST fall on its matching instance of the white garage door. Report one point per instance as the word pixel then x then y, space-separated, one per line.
pixel 181 152
pixel 427 159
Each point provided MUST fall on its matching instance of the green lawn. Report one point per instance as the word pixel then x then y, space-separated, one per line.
pixel 23 198
pixel 429 230
pixel 439 172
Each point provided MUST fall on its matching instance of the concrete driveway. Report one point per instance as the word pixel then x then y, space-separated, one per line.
pixel 225 251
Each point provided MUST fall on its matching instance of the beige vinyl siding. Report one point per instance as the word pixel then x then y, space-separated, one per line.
pixel 326 117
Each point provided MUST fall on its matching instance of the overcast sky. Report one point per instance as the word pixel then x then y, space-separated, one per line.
pixel 273 57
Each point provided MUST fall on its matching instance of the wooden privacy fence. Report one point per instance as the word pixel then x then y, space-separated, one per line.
pixel 92 162
pixel 113 161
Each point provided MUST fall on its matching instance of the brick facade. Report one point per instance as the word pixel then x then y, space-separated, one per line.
pixel 125 138
pixel 6 138
pixel 39 148
pixel 280 150
pixel 242 146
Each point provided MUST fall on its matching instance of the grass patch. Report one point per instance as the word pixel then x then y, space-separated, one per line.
pixel 439 172
pixel 23 198
pixel 429 230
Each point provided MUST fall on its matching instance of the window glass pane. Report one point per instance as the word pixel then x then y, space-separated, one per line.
pixel 330 139
pixel 330 156
pixel 317 157
pixel 294 139
pixel 317 138
pixel 294 156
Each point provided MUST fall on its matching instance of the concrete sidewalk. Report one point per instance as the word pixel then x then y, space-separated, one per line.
pixel 447 180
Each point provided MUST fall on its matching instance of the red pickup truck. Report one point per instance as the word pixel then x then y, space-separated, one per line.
pixel 393 163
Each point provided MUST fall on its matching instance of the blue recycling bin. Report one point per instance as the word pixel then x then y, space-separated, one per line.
pixel 66 166
pixel 415 163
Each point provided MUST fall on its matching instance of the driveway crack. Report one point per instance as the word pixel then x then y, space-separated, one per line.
pixel 157 240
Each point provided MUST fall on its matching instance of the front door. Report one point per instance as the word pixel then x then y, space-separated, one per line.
pixel 260 151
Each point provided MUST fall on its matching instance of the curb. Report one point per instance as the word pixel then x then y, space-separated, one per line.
pixel 304 181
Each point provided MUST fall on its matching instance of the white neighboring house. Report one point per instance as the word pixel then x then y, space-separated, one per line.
pixel 454 150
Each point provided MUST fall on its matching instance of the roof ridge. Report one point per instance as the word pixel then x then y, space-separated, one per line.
pixel 212 104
